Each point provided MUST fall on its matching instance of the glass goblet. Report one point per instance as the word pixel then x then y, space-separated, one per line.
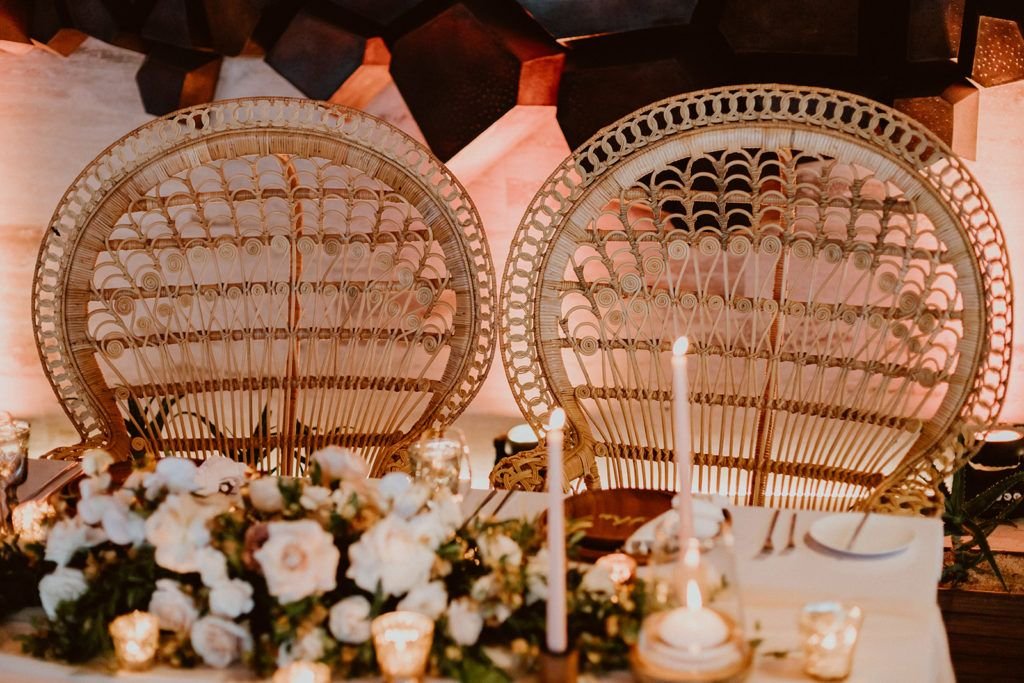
pixel 440 460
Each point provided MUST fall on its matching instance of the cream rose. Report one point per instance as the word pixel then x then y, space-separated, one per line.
pixel 212 566
pixel 96 461
pixel 498 549
pixel 178 530
pixel 176 475
pixel 598 579
pixel 314 497
pixel 231 598
pixel 220 475
pixel 340 463
pixel 94 486
pixel 265 494
pixel 175 610
pixel 308 648
pixel 401 495
pixel 349 620
pixel 63 585
pixel 123 526
pixel 298 559
pixel 390 554
pixel 464 621
pixel 67 536
pixel 536 577
pixel 429 599
pixel 219 641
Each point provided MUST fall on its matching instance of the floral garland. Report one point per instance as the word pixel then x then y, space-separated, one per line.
pixel 268 571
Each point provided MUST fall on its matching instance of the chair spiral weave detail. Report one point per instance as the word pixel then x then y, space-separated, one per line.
pixel 259 278
pixel 840 274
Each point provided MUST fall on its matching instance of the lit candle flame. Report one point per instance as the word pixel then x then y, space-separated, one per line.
pixel 1000 435
pixel 680 346
pixel 557 420
pixel 691 558
pixel 693 600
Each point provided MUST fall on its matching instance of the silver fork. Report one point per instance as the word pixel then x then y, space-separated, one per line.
pixel 768 547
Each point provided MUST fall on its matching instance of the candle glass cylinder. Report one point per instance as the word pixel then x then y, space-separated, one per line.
pixel 440 460
pixel 829 632
pixel 303 672
pixel 14 436
pixel 402 642
pixel 30 520
pixel 695 629
pixel 136 636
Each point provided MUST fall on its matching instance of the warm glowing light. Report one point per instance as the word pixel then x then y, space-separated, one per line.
pixel 680 346
pixel 522 433
pixel 694 601
pixel 135 637
pixel 303 672
pixel 691 557
pixel 621 567
pixel 557 420
pixel 402 641
pixel 29 520
pixel 1001 435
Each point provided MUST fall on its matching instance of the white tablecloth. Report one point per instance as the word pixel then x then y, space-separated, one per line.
pixel 903 638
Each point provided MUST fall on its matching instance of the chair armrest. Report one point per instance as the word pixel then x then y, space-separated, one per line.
pixel 527 471
pixel 75 452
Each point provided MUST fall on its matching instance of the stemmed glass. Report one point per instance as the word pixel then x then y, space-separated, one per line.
pixel 13 465
pixel 440 459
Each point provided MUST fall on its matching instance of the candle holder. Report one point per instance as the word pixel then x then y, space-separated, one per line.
pixel 559 668
pixel 829 631
pixel 14 436
pixel 135 637
pixel 303 672
pixel 29 520
pixel 440 460
pixel 402 642
pixel 695 630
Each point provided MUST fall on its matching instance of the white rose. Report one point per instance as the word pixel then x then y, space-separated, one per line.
pixel 536 577
pixel 429 599
pixel 349 620
pixel 498 549
pixel 67 536
pixel 94 486
pixel 265 494
pixel 399 493
pixel 390 554
pixel 220 475
pixel 178 530
pixel 298 559
pixel 231 598
pixel 598 579
pixel 212 566
pixel 135 480
pixel 95 461
pixel 92 507
pixel 308 648
pixel 340 463
pixel 349 497
pixel 314 497
pixel 62 585
pixel 464 621
pixel 485 590
pixel 177 475
pixel 430 528
pixel 219 641
pixel 175 610
pixel 123 526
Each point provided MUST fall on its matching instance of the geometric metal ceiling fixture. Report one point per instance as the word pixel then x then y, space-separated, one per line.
pixel 172 78
pixel 999 53
pixel 568 20
pixel 316 54
pixel 952 115
pixel 791 26
pixel 933 30
pixel 466 67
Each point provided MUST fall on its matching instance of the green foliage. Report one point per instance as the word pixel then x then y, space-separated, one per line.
pixel 966 523
pixel 119 582
pixel 20 572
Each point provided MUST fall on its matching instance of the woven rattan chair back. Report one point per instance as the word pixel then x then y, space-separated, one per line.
pixel 839 273
pixel 259 278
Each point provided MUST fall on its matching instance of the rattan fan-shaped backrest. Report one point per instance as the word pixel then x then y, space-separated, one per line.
pixel 259 278
pixel 839 273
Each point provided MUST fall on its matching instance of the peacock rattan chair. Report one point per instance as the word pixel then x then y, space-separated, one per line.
pixel 258 278
pixel 840 275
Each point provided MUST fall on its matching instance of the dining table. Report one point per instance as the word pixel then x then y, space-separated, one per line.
pixel 902 638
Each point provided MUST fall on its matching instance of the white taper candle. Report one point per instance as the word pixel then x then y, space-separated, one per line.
pixel 681 438
pixel 557 625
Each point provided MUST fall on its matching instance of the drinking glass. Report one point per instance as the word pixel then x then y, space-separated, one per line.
pixel 440 460
pixel 829 631
pixel 13 465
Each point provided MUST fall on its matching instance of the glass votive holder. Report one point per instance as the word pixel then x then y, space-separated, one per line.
pixel 621 567
pixel 29 520
pixel 829 632
pixel 303 672
pixel 402 642
pixel 135 637
pixel 440 460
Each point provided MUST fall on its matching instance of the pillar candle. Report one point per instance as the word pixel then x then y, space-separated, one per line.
pixel 557 627
pixel 681 437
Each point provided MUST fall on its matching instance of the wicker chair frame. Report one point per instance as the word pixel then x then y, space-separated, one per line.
pixel 259 278
pixel 841 275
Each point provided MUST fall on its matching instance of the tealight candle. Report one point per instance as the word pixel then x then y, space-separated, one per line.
pixel 829 631
pixel 621 567
pixel 694 627
pixel 303 672
pixel 135 637
pixel 402 641
pixel 29 520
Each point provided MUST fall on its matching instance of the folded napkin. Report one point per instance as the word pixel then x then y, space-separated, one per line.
pixel 707 519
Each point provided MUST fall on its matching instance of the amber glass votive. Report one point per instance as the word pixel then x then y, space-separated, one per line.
pixel 402 641
pixel 303 672
pixel 829 631
pixel 135 637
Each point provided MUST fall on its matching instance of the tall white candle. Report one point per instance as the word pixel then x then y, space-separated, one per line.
pixel 681 437
pixel 557 626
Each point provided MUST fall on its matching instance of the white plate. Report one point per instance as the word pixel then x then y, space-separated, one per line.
pixel 881 535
